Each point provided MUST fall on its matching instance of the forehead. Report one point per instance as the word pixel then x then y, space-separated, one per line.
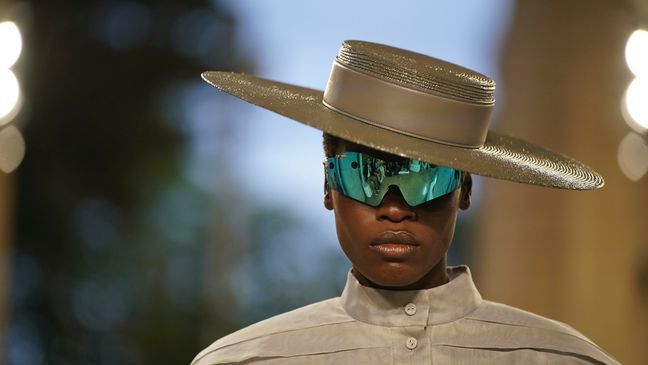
pixel 344 146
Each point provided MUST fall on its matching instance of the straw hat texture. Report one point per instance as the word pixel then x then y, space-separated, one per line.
pixel 414 106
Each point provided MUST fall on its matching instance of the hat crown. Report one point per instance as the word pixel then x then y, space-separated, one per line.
pixel 416 71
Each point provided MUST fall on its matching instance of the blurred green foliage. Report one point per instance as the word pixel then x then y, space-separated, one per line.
pixel 97 275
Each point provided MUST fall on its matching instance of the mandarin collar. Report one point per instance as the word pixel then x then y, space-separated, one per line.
pixel 397 308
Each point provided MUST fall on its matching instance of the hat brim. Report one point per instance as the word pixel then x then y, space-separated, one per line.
pixel 501 156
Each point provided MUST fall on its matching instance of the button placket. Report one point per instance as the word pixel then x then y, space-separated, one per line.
pixel 411 344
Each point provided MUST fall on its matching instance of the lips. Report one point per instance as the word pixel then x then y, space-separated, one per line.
pixel 395 245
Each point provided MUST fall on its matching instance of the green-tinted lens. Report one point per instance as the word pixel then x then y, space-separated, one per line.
pixel 367 179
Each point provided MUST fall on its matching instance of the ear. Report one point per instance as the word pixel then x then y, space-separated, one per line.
pixel 466 191
pixel 328 201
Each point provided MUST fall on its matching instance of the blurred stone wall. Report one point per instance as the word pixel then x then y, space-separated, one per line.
pixel 578 257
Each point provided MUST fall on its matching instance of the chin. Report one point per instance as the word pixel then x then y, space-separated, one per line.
pixel 395 276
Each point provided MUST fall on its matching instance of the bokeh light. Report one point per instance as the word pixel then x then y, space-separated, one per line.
pixel 10 44
pixel 635 104
pixel 12 148
pixel 632 156
pixel 636 53
pixel 9 94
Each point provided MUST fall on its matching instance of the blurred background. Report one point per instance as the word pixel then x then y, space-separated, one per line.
pixel 151 214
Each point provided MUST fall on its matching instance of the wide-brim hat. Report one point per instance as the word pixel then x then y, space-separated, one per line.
pixel 414 106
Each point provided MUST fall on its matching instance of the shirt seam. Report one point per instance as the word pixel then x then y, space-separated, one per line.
pixel 267 335
pixel 580 356
pixel 258 358
pixel 537 328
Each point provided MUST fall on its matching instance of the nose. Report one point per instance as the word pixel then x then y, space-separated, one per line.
pixel 394 208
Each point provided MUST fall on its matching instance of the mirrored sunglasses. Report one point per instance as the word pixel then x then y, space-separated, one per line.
pixel 367 178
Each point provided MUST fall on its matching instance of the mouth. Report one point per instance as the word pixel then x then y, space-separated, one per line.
pixel 395 245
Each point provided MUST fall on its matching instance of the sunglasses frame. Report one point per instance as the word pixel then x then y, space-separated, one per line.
pixel 408 175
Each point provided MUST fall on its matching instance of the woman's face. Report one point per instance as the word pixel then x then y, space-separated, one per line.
pixel 394 245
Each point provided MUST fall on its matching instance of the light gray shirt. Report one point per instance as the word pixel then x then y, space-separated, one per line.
pixel 449 324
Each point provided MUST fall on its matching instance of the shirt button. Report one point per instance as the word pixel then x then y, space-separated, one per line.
pixel 410 309
pixel 411 343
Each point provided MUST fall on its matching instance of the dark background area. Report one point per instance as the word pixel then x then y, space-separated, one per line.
pixel 108 262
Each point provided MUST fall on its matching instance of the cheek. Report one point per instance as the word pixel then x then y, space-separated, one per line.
pixel 351 220
pixel 446 232
pixel 439 221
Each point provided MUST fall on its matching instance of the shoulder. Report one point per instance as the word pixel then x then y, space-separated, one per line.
pixel 506 315
pixel 271 335
pixel 499 326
